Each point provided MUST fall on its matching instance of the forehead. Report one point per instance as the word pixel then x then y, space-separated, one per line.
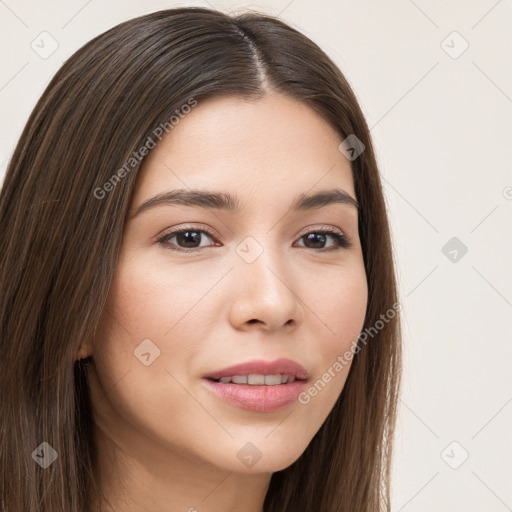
pixel 261 149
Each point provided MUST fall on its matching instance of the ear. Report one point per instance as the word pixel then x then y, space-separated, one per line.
pixel 84 351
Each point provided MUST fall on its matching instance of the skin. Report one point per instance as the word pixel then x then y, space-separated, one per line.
pixel 165 442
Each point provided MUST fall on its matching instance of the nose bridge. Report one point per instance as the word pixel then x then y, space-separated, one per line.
pixel 263 289
pixel 259 260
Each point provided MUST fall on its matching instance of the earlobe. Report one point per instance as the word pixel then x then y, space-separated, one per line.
pixel 83 353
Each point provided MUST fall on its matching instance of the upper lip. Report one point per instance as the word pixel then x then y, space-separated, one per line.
pixel 261 367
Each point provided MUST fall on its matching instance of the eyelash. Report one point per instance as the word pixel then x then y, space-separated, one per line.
pixel 341 240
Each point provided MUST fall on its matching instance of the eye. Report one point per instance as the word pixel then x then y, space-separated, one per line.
pixel 187 239
pixel 317 239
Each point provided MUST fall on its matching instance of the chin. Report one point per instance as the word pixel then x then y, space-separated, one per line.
pixel 263 456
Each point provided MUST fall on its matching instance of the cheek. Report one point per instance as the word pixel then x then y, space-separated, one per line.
pixel 155 310
pixel 151 300
pixel 347 309
pixel 339 301
pixel 150 310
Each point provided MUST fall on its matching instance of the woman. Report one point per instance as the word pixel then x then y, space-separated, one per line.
pixel 199 308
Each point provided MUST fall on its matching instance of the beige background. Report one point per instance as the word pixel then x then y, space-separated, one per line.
pixel 442 125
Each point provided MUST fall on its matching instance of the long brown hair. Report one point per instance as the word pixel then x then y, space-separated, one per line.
pixel 61 238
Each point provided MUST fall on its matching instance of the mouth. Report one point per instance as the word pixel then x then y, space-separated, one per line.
pixel 257 372
pixel 259 386
pixel 258 380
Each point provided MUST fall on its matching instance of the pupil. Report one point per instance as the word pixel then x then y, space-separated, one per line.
pixel 312 236
pixel 188 237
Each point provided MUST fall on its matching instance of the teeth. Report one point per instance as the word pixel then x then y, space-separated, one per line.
pixel 272 380
pixel 258 380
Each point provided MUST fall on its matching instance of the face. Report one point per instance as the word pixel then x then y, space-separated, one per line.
pixel 200 287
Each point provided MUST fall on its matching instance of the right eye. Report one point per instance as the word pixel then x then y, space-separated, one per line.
pixel 186 239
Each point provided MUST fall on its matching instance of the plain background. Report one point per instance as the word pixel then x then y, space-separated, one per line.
pixel 441 119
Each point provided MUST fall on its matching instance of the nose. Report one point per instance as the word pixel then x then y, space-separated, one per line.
pixel 263 295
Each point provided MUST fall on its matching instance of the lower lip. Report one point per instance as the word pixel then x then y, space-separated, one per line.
pixel 258 398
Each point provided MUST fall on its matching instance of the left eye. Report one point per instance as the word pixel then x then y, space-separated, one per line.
pixel 187 240
pixel 319 237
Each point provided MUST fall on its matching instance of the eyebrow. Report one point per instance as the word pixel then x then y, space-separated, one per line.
pixel 225 201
